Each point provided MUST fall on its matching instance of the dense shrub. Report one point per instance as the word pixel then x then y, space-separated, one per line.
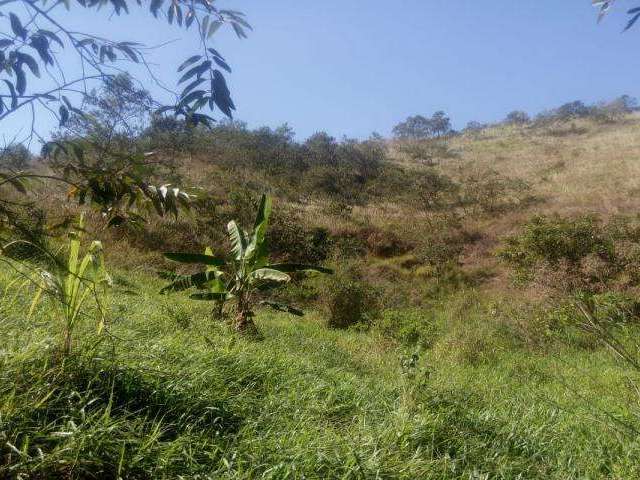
pixel 15 157
pixel 491 192
pixel 414 328
pixel 349 300
pixel 582 253
pixel 417 127
pixel 384 243
pixel 517 117
pixel 427 152
pixel 554 239
pixel 290 240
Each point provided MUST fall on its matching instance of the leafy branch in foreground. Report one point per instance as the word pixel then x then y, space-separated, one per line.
pixel 606 5
pixel 38 42
pixel 243 277
pixel 119 189
pixel 70 285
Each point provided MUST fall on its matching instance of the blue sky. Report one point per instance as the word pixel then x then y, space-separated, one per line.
pixel 352 67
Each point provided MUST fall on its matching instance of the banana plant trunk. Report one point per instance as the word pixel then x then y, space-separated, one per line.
pixel 244 318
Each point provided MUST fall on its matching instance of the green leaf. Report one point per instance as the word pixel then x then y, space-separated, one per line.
pixel 270 274
pixel 64 115
pixel 213 28
pixel 185 282
pixel 14 95
pixel 199 70
pixel 195 258
pixel 155 6
pixel 31 63
pixel 21 81
pixel 238 240
pixel 17 27
pixel 189 61
pixel 259 227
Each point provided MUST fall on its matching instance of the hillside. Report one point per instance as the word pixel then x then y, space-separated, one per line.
pixel 447 344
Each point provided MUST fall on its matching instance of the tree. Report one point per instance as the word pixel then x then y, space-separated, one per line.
pixel 474 126
pixel 440 124
pixel 40 41
pixel 14 156
pixel 413 128
pixel 575 109
pixel 99 152
pixel 626 103
pixel 419 127
pixel 40 44
pixel 517 117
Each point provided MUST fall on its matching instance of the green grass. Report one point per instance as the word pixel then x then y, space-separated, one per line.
pixel 172 394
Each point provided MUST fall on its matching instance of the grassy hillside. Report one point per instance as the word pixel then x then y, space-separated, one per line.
pixel 459 361
pixel 169 393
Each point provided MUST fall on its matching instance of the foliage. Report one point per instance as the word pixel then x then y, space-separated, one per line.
pixel 41 37
pixel 15 157
pixel 517 117
pixel 412 328
pixel 605 5
pixel 118 187
pixel 418 127
pixel 490 192
pixel 426 151
pixel 71 284
pixel 475 126
pixel 349 300
pixel 555 242
pixel 243 276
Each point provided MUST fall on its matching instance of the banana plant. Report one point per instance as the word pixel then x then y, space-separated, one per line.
pixel 72 284
pixel 239 277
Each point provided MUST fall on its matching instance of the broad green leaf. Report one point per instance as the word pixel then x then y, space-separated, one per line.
pixel 270 275
pixel 238 240
pixel 195 258
pixel 259 228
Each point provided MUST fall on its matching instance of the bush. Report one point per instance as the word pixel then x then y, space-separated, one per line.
pixel 491 192
pixel 613 308
pixel 290 240
pixel 426 151
pixel 384 243
pixel 413 328
pixel 575 254
pixel 15 157
pixel 517 117
pixel 349 300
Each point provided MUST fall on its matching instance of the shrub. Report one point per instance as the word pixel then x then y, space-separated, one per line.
pixel 571 254
pixel 474 126
pixel 15 157
pixel 517 117
pixel 349 300
pixel 426 151
pixel 614 308
pixel 414 328
pixel 384 243
pixel 420 127
pixel 289 239
pixel 490 192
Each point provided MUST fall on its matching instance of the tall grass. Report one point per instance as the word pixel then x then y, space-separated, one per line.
pixel 164 399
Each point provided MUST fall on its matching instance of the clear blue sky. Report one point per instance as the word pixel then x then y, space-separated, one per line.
pixel 356 66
